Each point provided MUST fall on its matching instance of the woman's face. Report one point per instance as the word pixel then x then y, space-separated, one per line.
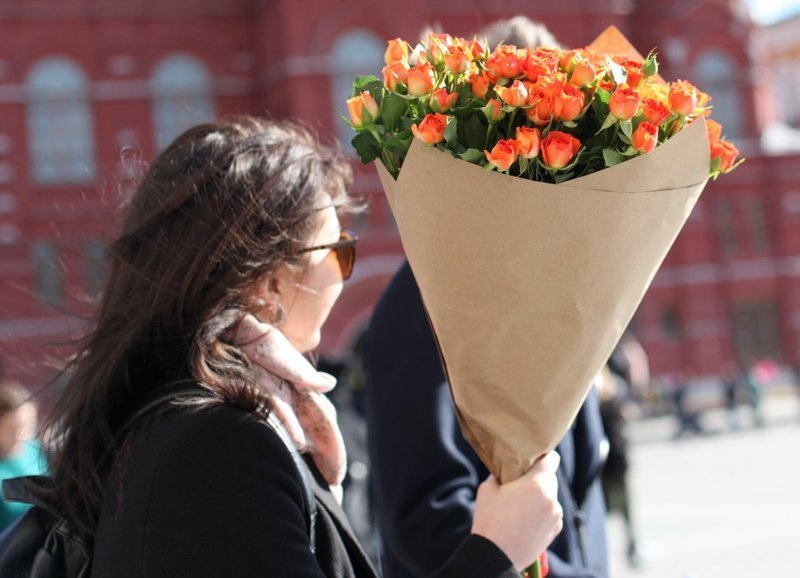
pixel 308 292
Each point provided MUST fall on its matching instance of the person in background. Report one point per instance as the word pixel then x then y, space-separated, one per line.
pixel 20 451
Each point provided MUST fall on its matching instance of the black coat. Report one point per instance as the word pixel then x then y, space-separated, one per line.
pixel 425 474
pixel 215 492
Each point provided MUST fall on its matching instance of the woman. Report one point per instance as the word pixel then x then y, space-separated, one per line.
pixel 235 221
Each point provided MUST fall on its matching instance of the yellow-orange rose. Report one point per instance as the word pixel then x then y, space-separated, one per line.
pixel 683 97
pixel 438 45
pixel 431 129
pixel 442 101
pixel 542 107
pixel 421 80
pixel 726 153
pixel 396 51
pixel 569 104
pixel 456 60
pixel 654 111
pixel 583 74
pixel 503 155
pixel 360 103
pixel 558 149
pixel 395 76
pixel 713 130
pixel 540 62
pixel 515 95
pixel 624 103
pixel 645 137
pixel 528 142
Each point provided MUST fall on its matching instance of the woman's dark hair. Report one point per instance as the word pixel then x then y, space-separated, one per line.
pixel 224 206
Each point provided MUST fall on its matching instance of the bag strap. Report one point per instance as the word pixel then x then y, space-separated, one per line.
pixel 311 502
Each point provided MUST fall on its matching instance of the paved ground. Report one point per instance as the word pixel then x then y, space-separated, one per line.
pixel 722 505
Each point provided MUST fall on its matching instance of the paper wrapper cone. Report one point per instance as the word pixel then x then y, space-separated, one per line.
pixel 529 286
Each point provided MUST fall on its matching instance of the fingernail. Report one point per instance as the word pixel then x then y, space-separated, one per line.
pixel 326 380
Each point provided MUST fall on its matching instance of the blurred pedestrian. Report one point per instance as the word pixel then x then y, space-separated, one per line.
pixel 20 451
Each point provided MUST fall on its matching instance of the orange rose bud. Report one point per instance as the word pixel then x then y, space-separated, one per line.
pixel 683 97
pixel 726 153
pixel 583 74
pixel 645 137
pixel 431 129
pixel 713 130
pixel 504 62
pixel 478 49
pixel 558 149
pixel 515 95
pixel 480 85
pixel 503 155
pixel 624 103
pixel 438 46
pixel 528 142
pixel 494 110
pixel 539 62
pixel 396 51
pixel 654 111
pixel 395 76
pixel 569 104
pixel 442 101
pixel 421 80
pixel 358 104
pixel 456 60
pixel 568 60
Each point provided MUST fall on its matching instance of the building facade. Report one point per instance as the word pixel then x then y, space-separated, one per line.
pixel 92 89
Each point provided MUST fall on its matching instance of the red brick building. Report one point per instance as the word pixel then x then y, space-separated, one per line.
pixel 90 88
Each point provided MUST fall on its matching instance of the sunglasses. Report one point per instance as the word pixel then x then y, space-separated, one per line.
pixel 345 251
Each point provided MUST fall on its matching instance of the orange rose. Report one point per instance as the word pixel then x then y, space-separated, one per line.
pixel 395 76
pixel 515 95
pixel 504 62
pixel 683 97
pixel 528 142
pixel 438 46
pixel 726 153
pixel 477 49
pixel 480 85
pixel 558 149
pixel 568 60
pixel 494 110
pixel 634 70
pixel 503 155
pixel 583 74
pixel 539 62
pixel 654 111
pixel 396 51
pixel 713 130
pixel 543 107
pixel 624 103
pixel 442 101
pixel 569 104
pixel 421 80
pixel 456 60
pixel 645 137
pixel 358 104
pixel 431 129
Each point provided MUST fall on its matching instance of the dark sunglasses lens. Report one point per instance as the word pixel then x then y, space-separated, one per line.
pixel 347 259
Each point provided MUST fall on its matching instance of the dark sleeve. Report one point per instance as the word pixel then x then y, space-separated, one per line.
pixel 478 557
pixel 226 501
pixel 423 478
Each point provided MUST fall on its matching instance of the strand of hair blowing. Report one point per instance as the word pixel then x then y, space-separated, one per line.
pixel 223 206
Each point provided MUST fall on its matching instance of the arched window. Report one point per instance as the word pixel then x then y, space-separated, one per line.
pixel 716 74
pixel 181 97
pixel 355 53
pixel 60 132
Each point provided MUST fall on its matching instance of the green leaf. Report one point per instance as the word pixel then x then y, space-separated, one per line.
pixel 561 177
pixel 627 127
pixel 473 130
pixel 400 142
pixel 451 131
pixel 612 157
pixel 473 156
pixel 609 122
pixel 392 110
pixel 369 83
pixel 366 147
pixel 523 165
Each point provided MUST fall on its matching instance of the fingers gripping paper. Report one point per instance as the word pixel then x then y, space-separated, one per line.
pixel 528 286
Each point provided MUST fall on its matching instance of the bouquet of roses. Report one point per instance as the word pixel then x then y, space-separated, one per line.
pixel 542 113
pixel 536 192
